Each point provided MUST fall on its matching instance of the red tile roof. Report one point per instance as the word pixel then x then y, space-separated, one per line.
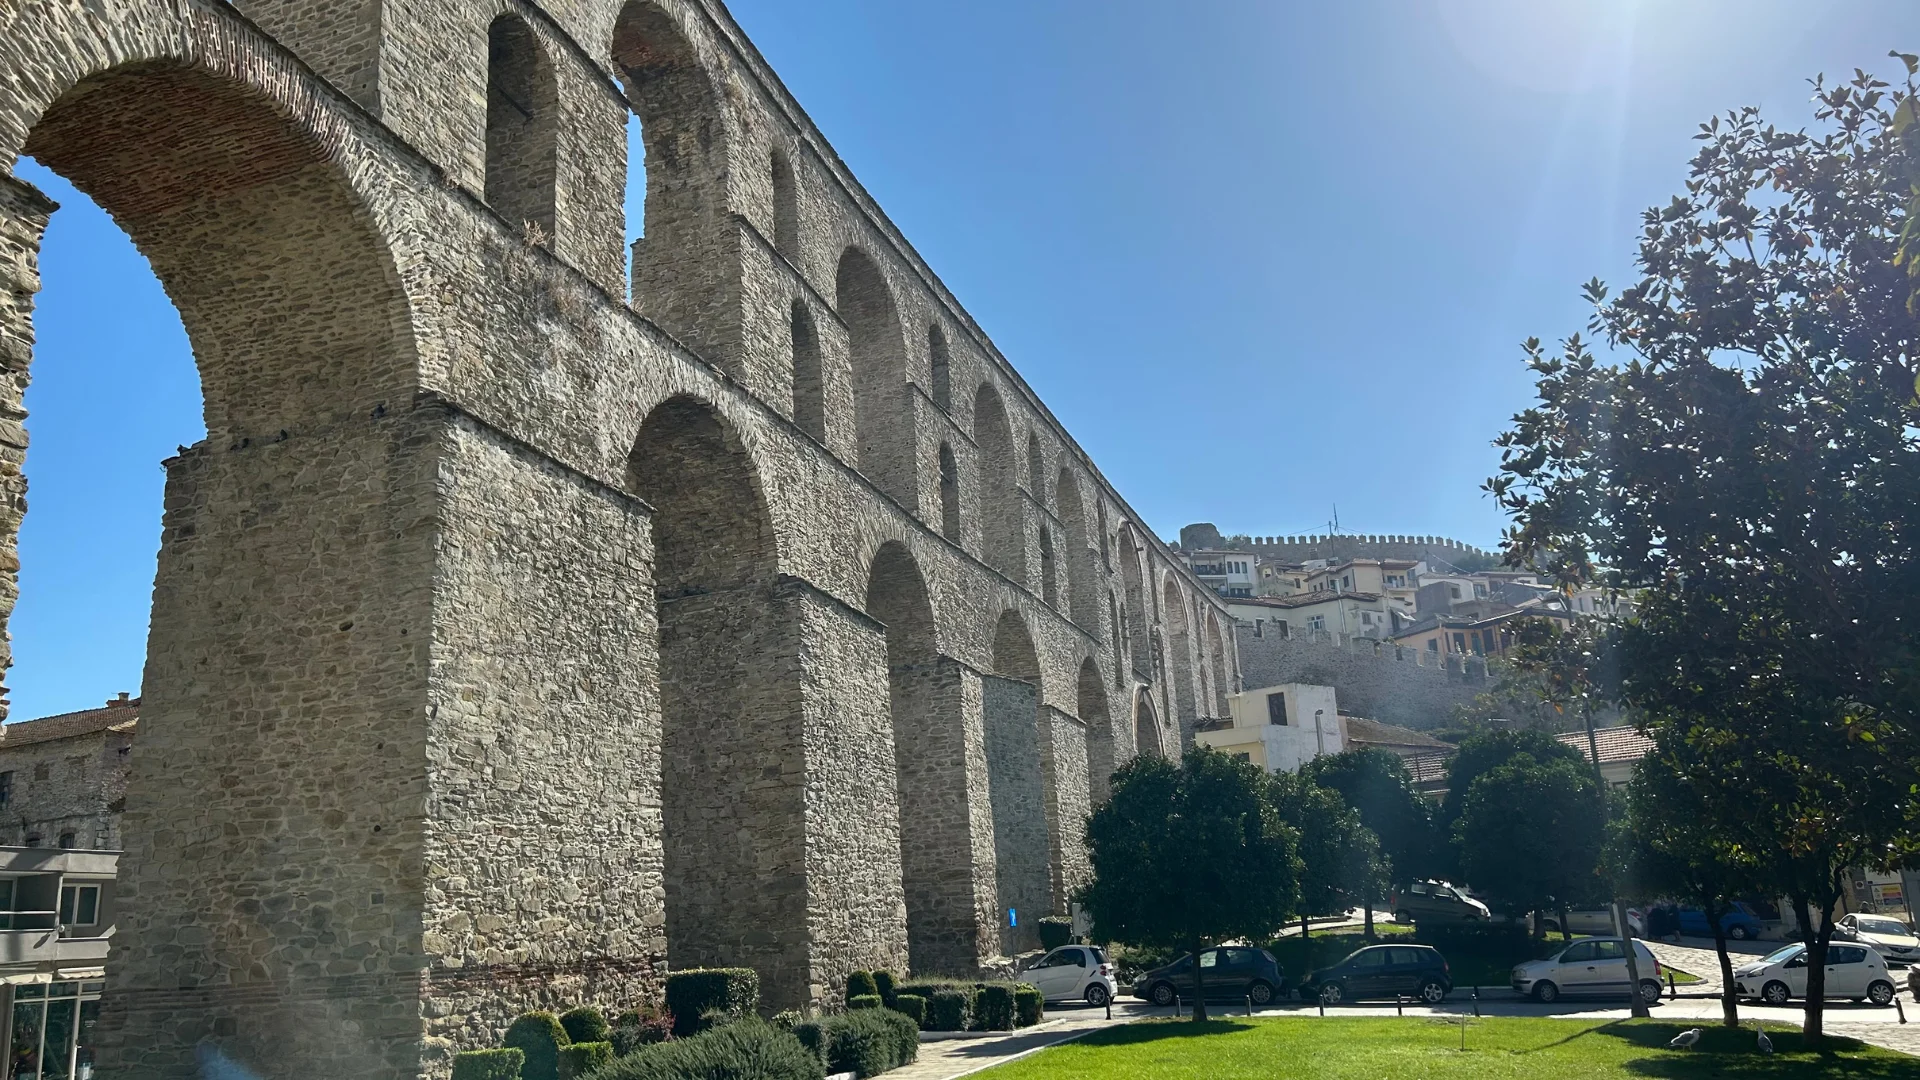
pixel 115 716
pixel 1617 744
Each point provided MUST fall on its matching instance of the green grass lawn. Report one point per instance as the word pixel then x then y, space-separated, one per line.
pixel 1418 1049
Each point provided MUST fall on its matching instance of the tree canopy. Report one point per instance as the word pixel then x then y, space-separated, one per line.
pixel 1752 464
pixel 1375 782
pixel 1531 833
pixel 1340 862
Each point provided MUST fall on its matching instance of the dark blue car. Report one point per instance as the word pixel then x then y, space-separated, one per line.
pixel 1740 923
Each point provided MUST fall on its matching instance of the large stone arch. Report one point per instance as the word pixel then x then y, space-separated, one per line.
pixel 1139 618
pixel 1080 566
pixel 1017 754
pixel 1180 666
pixel 939 866
pixel 733 807
pixel 523 123
pixel 1002 519
pixel 678 281
pixel 228 177
pixel 1095 714
pixel 1146 726
pixel 1222 681
pixel 883 418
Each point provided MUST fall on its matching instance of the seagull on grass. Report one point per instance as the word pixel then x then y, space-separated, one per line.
pixel 1766 1044
pixel 1686 1039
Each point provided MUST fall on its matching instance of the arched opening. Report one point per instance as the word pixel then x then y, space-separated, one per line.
pixel 1002 519
pixel 1146 726
pixel 1093 712
pixel 1079 568
pixel 929 742
pixel 523 121
pixel 680 176
pixel 809 381
pixel 732 803
pixel 1180 666
pixel 942 362
pixel 1106 555
pixel 883 422
pixel 1036 471
pixel 1049 589
pixel 949 494
pixel 299 327
pixel 1117 636
pixel 1222 681
pixel 786 208
pixel 1132 574
pixel 1018 752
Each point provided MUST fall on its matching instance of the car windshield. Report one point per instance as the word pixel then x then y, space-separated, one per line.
pixel 1870 925
pixel 1783 954
pixel 1099 955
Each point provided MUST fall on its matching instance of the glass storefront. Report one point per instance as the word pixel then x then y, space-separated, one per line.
pixel 50 1033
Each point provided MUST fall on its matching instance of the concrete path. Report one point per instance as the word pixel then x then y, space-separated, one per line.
pixel 948 1058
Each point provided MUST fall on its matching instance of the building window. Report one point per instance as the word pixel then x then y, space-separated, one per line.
pixel 1277 710
pixel 1366 618
pixel 66 840
pixel 53 1027
pixel 1316 622
pixel 1455 590
pixel 1459 643
pixel 33 839
pixel 1433 644
pixel 79 905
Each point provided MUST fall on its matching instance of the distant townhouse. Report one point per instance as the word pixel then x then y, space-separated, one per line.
pixel 1353 614
pixel 1229 573
pixel 63 779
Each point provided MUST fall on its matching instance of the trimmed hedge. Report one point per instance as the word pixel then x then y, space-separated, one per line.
pixel 583 1058
pixel 867 1042
pixel 1055 931
pixel 993 1007
pixel 911 1006
pixel 950 1010
pixel 884 986
pixel 865 1001
pixel 694 996
pixel 539 1036
pixel 1028 1004
pixel 745 1050
pixel 861 984
pixel 488 1065
pixel 586 1024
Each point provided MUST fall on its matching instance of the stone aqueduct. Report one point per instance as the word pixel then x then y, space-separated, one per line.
pixel 512 640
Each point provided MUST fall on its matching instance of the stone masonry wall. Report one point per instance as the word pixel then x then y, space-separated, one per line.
pixel 1021 841
pixel 60 788
pixel 1372 679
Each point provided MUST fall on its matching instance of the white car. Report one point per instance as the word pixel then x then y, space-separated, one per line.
pixel 1888 937
pixel 1853 971
pixel 1073 973
pixel 1587 968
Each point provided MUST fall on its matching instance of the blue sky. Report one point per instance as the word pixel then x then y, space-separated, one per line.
pixel 1261 257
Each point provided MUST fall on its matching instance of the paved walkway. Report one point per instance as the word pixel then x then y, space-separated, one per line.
pixel 945 1059
pixel 1697 957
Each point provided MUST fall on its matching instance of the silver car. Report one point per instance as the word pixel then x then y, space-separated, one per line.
pixel 1590 967
pixel 1888 937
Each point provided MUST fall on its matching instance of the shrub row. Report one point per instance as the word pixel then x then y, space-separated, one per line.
pixel 867 1041
pixel 966 1006
pixel 913 1007
pixel 488 1065
pixel 704 997
pixel 746 1050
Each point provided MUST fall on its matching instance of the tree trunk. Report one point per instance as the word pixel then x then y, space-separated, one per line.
pixel 1814 1028
pixel 1199 984
pixel 1729 997
pixel 1637 1004
pixel 1306 928
pixel 1369 916
pixel 1566 930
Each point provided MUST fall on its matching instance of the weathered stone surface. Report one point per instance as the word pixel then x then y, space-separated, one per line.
pixel 525 624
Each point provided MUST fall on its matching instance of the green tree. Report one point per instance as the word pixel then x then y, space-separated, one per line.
pixel 1483 753
pixel 1753 465
pixel 1188 854
pixel 1667 845
pixel 1340 860
pixel 1375 782
pixel 1531 833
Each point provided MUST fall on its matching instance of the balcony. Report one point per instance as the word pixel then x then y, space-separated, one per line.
pixel 30 947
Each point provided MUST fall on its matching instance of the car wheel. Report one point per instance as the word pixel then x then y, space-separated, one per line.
pixel 1331 994
pixel 1161 994
pixel 1739 933
pixel 1775 993
pixel 1403 916
pixel 1433 992
pixel 1097 995
pixel 1551 926
pixel 1650 991
pixel 1261 993
pixel 1545 992
pixel 1880 993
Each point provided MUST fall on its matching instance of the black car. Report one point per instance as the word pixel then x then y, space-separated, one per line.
pixel 1382 971
pixel 1228 973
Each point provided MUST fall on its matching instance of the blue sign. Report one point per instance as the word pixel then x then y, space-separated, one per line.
pixel 1013 917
